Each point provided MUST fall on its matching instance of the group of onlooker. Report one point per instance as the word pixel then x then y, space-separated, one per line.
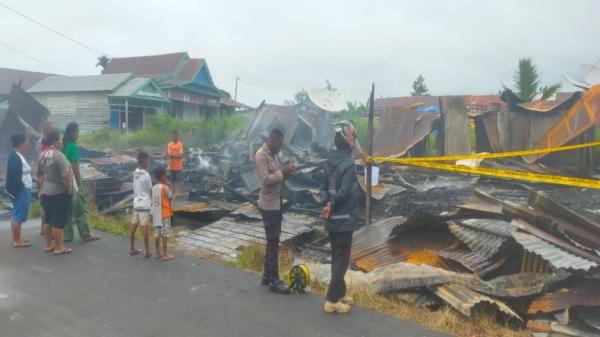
pixel 62 199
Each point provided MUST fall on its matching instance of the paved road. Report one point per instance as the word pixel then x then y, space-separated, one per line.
pixel 101 291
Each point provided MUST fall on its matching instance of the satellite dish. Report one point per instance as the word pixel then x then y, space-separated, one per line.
pixel 329 100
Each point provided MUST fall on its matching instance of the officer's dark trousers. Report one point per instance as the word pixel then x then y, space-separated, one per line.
pixel 272 223
pixel 341 244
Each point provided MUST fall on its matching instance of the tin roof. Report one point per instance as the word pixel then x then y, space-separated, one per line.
pixel 80 83
pixel 146 66
pixel 400 130
pixel 8 77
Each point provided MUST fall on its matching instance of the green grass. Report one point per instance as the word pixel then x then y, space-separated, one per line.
pixel 252 258
pixel 35 210
pixel 202 132
pixel 114 225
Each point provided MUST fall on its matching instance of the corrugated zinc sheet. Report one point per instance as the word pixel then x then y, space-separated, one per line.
pixel 582 116
pixel 402 275
pixel 490 124
pixel 400 130
pixel 456 128
pixel 484 236
pixel 557 257
pixel 519 285
pixel 464 299
pixel 473 261
pixel 582 294
pixel 80 83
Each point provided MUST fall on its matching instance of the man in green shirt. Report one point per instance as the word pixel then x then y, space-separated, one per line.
pixel 80 214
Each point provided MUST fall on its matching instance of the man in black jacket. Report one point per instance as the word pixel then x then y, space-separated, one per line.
pixel 18 186
pixel 340 195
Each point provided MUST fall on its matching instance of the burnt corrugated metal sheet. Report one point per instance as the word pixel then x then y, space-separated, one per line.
pixel 402 275
pixel 484 236
pixel 374 248
pixel 561 100
pixel 381 190
pixel 577 226
pixel 557 257
pixel 582 294
pixel 583 115
pixel 464 299
pixel 456 126
pixel 249 211
pixel 399 131
pixel 473 261
pixel 519 285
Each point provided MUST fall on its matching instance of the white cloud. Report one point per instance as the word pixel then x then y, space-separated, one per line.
pixel 277 47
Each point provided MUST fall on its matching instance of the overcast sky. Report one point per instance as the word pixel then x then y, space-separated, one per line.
pixel 278 46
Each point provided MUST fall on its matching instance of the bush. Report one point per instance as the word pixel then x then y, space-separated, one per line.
pixel 202 132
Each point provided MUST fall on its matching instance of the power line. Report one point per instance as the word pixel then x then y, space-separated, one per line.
pixel 96 51
pixel 33 58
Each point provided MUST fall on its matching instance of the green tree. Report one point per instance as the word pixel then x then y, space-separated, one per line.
pixel 102 61
pixel 419 87
pixel 527 82
pixel 353 111
pixel 300 96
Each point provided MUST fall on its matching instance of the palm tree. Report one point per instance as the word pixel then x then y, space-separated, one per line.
pixel 527 82
pixel 102 61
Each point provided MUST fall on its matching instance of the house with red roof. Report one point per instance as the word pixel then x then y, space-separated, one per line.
pixel 185 81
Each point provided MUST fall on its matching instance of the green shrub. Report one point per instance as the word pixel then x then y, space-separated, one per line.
pixel 202 132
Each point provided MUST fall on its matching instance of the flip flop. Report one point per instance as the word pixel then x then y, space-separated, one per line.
pixel 63 251
pixel 167 257
pixel 22 244
pixel 49 250
pixel 92 237
pixel 135 252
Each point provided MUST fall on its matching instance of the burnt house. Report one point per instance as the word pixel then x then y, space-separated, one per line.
pixel 186 82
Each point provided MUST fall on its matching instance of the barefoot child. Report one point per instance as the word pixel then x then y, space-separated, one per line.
pixel 142 201
pixel 162 212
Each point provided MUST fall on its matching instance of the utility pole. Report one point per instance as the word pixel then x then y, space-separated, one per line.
pixel 235 92
pixel 370 153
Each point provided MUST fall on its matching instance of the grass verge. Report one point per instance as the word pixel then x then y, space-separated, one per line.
pixel 35 210
pixel 482 323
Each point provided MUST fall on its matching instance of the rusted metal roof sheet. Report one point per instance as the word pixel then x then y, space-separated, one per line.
pixel 583 115
pixel 559 258
pixel 561 100
pixel 473 261
pixel 400 130
pixel 484 236
pixel 519 285
pixel 490 124
pixel 464 299
pixel 402 275
pixel 579 227
pixel 586 294
pixel 374 248
pixel 456 126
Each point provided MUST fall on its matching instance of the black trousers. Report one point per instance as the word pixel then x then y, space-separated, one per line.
pixel 272 223
pixel 341 244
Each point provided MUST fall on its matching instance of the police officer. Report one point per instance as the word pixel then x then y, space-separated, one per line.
pixel 340 195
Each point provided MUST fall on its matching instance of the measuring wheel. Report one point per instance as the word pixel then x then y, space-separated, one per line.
pixel 299 278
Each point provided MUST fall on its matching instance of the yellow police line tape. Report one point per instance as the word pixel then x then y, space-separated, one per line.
pixel 486 155
pixel 430 162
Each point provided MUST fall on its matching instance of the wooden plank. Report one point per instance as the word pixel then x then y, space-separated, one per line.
pixel 248 236
pixel 199 244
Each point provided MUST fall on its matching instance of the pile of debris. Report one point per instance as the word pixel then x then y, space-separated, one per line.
pixel 536 261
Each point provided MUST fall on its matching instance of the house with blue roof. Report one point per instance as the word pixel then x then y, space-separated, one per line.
pixel 185 81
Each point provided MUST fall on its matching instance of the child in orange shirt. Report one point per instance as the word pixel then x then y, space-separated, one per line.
pixel 162 212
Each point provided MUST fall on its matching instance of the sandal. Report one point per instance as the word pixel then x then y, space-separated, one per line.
pixel 65 250
pixel 21 244
pixel 49 249
pixel 91 237
pixel 147 255
pixel 167 257
pixel 135 252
